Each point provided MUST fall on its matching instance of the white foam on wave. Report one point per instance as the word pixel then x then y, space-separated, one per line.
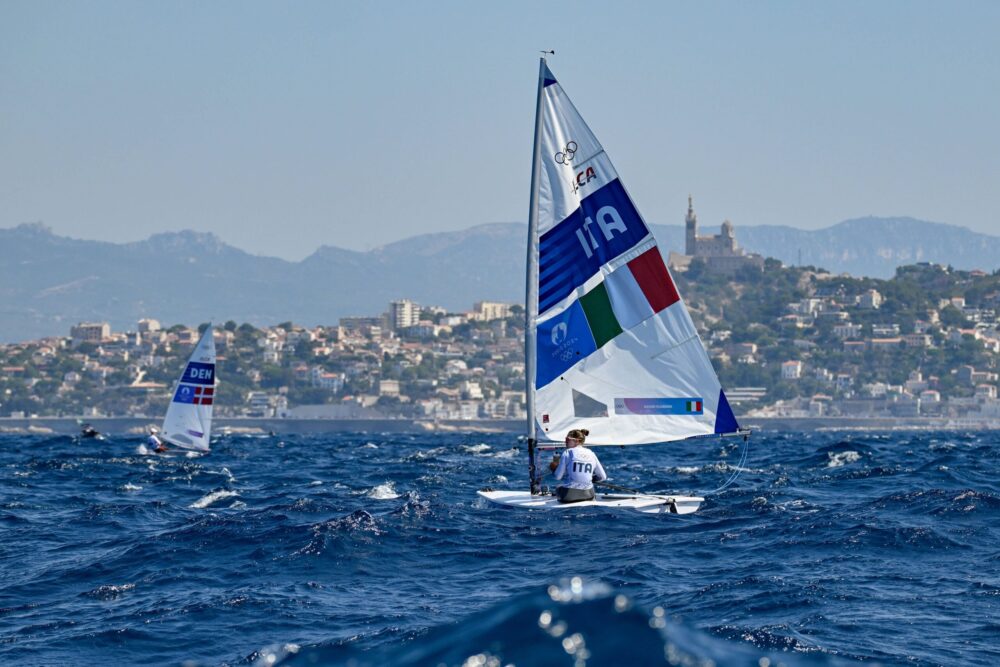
pixel 839 459
pixel 476 449
pixel 505 454
pixel 369 445
pixel 687 470
pixel 385 491
pixel 129 486
pixel 213 497
pixel 110 592
pixel 422 455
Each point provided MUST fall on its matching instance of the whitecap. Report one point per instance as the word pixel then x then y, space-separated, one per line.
pixel 687 470
pixel 369 445
pixel 385 491
pixel 109 591
pixel 476 449
pixel 842 458
pixel 212 497
pixel 506 454
pixel 129 486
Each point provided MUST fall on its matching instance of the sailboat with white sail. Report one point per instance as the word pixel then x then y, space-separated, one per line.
pixel 609 344
pixel 188 423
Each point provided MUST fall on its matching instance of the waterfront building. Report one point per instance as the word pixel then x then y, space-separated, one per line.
pixel 388 388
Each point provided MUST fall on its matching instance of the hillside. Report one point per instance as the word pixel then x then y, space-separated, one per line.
pixel 49 282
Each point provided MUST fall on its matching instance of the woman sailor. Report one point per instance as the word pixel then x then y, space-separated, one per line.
pixel 581 468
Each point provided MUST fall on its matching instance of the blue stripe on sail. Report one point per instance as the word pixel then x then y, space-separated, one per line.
pixel 606 225
pixel 725 420
pixel 554 267
pixel 562 341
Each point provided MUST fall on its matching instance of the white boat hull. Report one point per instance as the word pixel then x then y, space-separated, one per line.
pixel 658 504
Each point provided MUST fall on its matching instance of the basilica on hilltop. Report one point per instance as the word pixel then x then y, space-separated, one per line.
pixel 720 252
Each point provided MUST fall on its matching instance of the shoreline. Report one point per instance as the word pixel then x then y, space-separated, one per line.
pixel 253 425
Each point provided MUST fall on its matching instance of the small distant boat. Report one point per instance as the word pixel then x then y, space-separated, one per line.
pixel 188 423
pixel 609 344
pixel 87 431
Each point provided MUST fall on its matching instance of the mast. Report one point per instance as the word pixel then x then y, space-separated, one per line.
pixel 531 283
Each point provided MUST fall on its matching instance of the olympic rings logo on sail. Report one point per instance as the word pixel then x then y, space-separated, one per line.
pixel 563 343
pixel 565 156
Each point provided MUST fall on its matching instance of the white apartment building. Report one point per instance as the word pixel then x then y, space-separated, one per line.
pixel 403 313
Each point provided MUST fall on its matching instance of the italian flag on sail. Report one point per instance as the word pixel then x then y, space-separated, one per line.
pixel 632 293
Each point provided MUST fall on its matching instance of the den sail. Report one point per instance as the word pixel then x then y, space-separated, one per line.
pixel 188 423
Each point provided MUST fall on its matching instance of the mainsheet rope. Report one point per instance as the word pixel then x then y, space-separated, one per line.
pixel 739 468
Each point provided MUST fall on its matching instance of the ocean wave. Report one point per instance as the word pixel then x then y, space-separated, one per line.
pixel 889 558
pixel 386 491
pixel 838 459
pixel 212 498
pixel 574 622
pixel 359 524
pixel 506 454
pixel 109 591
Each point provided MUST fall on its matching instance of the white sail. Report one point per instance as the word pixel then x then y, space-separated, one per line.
pixel 615 350
pixel 188 423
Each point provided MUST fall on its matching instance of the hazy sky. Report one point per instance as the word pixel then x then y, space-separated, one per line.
pixel 282 126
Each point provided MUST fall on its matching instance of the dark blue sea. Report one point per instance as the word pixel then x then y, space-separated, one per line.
pixel 374 549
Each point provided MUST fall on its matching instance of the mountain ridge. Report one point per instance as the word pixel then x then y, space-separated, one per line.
pixel 49 282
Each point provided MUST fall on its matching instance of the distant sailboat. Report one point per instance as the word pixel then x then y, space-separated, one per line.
pixel 188 423
pixel 609 344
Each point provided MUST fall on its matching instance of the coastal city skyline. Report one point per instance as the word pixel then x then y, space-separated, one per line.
pixel 447 333
pixel 801 116
pixel 854 351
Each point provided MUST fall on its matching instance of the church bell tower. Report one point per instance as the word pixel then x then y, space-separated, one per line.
pixel 691 231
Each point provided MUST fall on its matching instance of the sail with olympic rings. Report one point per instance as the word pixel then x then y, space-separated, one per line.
pixel 611 346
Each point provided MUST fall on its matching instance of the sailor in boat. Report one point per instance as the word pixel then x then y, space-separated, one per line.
pixel 153 442
pixel 88 431
pixel 580 467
